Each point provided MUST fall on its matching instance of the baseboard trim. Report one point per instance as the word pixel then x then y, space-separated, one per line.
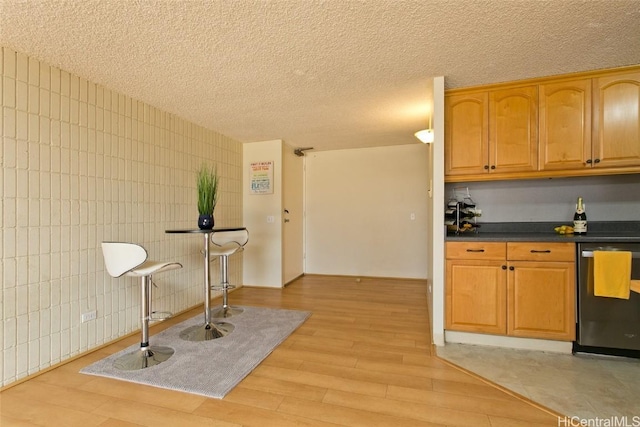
pixel 354 277
pixel 508 342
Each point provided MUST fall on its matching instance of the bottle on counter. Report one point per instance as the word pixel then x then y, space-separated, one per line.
pixel 580 218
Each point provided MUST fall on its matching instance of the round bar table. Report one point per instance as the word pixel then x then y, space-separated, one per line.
pixel 208 330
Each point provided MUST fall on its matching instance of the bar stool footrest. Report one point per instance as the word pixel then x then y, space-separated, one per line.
pixel 222 288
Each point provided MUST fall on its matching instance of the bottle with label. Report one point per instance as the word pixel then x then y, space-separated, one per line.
pixel 580 218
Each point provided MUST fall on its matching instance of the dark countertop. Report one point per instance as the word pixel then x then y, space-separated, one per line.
pixel 617 231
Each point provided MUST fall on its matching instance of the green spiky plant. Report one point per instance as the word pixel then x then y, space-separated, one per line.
pixel 207 189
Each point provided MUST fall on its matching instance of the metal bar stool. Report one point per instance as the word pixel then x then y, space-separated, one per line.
pixel 129 259
pixel 225 244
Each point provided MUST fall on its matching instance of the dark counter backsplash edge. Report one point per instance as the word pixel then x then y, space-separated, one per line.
pixel 542 227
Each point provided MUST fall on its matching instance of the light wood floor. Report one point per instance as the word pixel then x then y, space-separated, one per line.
pixel 362 359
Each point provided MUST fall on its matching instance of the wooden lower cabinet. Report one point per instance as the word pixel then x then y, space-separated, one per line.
pixel 476 291
pixel 523 289
pixel 541 299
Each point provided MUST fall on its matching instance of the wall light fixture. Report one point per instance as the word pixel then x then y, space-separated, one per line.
pixel 425 135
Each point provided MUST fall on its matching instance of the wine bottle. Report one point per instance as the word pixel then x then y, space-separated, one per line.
pixel 580 218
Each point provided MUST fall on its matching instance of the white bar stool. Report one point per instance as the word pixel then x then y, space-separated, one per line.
pixel 225 244
pixel 129 259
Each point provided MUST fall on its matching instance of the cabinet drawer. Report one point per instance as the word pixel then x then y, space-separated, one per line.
pixel 477 250
pixel 541 251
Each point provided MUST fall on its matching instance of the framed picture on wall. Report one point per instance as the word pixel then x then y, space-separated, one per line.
pixel 261 177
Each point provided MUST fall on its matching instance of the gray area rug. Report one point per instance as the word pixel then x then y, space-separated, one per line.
pixel 210 368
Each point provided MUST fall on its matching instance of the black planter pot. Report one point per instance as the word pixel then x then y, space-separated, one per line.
pixel 205 222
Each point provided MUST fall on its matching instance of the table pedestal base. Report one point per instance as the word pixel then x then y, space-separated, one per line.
pixel 144 357
pixel 223 312
pixel 207 332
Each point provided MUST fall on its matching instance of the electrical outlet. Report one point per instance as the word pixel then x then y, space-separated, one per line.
pixel 89 315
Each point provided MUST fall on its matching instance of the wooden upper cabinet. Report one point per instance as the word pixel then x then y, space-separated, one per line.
pixel 513 129
pixel 616 120
pixel 491 131
pixel 565 125
pixel 466 134
pixel 574 125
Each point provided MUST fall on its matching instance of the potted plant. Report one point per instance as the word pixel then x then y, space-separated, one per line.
pixel 207 180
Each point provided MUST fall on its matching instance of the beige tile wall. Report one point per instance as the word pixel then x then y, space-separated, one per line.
pixel 82 164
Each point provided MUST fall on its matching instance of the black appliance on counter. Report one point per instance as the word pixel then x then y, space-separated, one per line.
pixel 606 325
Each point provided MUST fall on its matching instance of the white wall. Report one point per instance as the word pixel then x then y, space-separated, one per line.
pixel 437 213
pixel 263 252
pixel 81 164
pixel 358 212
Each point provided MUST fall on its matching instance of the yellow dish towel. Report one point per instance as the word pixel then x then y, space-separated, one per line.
pixel 612 274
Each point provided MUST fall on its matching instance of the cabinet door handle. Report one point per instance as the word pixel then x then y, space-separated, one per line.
pixel 504 267
pixel 475 250
pixel 493 166
pixel 597 161
pixel 486 167
pixel 535 251
pixel 589 161
pixel 511 268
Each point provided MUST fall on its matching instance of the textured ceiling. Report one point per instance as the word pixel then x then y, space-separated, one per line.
pixel 316 73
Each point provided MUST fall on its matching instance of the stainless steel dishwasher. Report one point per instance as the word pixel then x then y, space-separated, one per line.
pixel 607 325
